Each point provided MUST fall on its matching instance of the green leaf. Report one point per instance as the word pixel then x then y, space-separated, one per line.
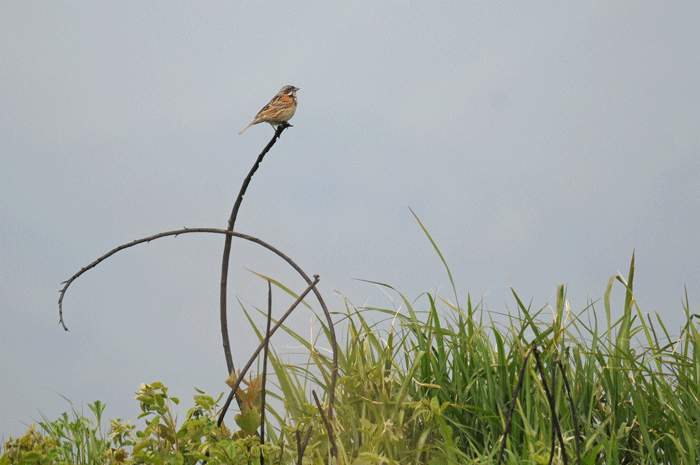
pixel 249 421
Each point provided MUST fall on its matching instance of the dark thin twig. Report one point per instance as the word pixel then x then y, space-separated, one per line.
pixel 224 279
pixel 261 346
pixel 264 373
pixel 301 446
pixel 305 443
pixel 329 428
pixel 552 407
pixel 573 411
pixel 553 438
pixel 227 247
pixel 68 282
pixel 331 328
pixel 556 429
pixel 512 406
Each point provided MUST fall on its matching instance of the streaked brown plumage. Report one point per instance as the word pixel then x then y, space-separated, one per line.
pixel 280 109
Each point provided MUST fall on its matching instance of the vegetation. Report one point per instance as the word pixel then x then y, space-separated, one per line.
pixel 434 386
pixel 433 383
pixel 438 387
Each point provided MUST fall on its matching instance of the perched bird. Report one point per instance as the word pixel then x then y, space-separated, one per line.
pixel 280 109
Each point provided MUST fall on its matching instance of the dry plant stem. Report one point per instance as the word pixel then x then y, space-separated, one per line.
pixel 553 374
pixel 264 373
pixel 245 369
pixel 301 447
pixel 556 428
pixel 552 406
pixel 104 257
pixel 331 436
pixel 573 411
pixel 331 329
pixel 227 248
pixel 512 406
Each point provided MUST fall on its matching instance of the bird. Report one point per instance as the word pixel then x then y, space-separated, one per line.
pixel 280 109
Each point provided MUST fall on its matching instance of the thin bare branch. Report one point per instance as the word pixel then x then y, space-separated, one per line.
pixel 264 373
pixel 331 328
pixel 301 446
pixel 68 282
pixel 227 248
pixel 552 406
pixel 509 419
pixel 326 423
pixel 573 412
pixel 262 345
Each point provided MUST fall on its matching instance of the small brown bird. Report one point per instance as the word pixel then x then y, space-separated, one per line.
pixel 280 109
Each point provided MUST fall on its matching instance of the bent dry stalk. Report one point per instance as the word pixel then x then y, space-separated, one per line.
pixel 311 284
pixel 227 249
pixel 556 430
pixel 229 233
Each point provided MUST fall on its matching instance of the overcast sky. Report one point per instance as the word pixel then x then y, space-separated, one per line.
pixel 539 143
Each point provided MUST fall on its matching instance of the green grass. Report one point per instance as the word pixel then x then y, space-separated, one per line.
pixel 433 384
pixel 438 385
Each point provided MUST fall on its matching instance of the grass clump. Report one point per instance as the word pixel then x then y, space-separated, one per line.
pixel 437 385
pixel 433 383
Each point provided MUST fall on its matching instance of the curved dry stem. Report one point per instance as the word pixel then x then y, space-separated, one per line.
pixel 227 248
pixel 509 418
pixel 264 373
pixel 552 407
pixel 329 428
pixel 573 410
pixel 301 446
pixel 262 345
pixel 334 344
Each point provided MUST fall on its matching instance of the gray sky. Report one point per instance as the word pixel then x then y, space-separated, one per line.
pixel 539 143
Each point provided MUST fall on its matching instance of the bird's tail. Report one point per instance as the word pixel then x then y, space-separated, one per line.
pixel 245 129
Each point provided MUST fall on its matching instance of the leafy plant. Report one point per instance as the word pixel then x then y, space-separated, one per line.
pixel 430 383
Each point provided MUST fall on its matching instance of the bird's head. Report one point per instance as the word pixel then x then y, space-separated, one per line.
pixel 290 90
